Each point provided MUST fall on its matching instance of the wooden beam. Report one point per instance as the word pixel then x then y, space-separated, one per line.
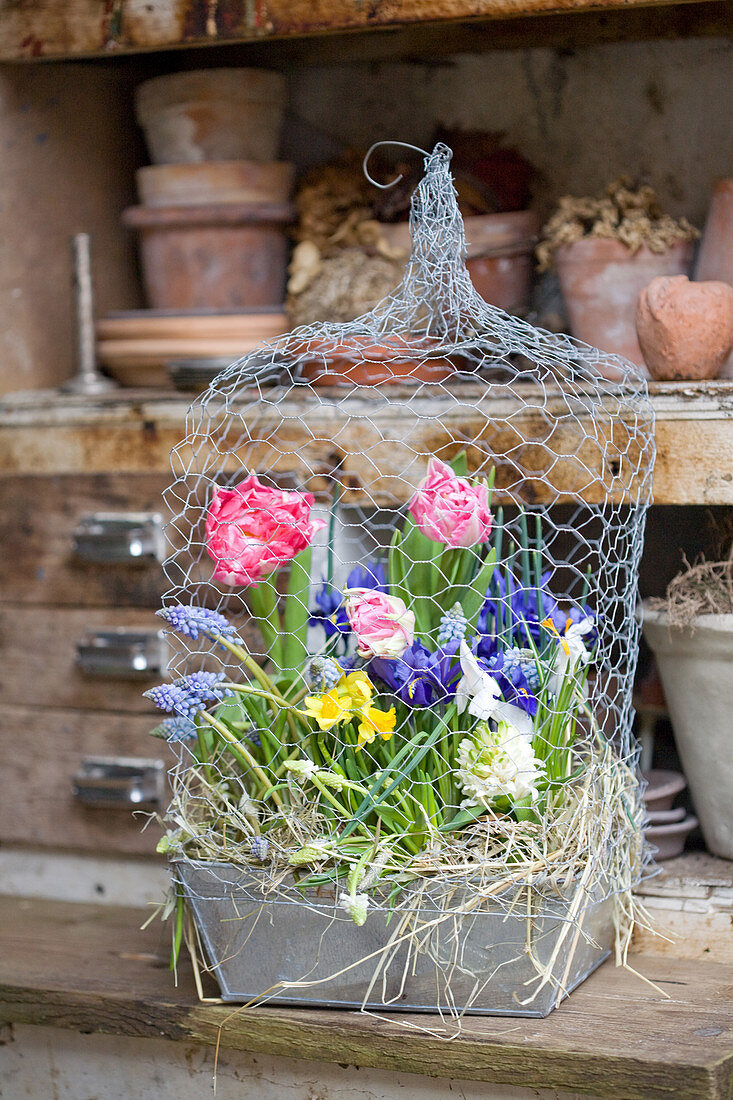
pixel 47 434
pixel 33 29
pixel 91 968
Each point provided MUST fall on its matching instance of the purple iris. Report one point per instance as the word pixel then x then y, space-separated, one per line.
pixel 331 612
pixel 420 677
pixel 513 683
pixel 512 609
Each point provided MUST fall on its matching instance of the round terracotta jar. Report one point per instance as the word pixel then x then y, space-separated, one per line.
pixel 360 361
pixel 225 256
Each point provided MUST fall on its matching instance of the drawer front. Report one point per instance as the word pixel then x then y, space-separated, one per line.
pixel 55 556
pixel 99 659
pixel 56 657
pixel 41 753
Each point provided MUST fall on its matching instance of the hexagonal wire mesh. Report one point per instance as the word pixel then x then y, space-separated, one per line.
pixel 426 681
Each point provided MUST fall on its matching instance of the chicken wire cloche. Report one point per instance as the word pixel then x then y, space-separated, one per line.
pixel 403 573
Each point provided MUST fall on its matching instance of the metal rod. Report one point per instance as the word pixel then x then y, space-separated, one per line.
pixel 87 380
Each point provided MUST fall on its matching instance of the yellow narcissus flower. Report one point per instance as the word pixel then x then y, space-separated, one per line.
pixel 373 722
pixel 330 708
pixel 358 686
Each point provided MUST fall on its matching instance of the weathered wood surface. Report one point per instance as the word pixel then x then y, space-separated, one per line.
pixel 90 968
pixel 38 515
pixel 70 28
pixel 38 649
pixel 38 659
pixel 41 750
pixel 48 434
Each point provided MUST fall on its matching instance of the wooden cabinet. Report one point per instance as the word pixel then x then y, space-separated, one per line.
pixel 73 576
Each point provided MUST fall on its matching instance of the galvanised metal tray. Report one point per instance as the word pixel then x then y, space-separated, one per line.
pixel 257 945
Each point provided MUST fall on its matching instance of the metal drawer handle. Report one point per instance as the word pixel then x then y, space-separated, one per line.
pixel 123 654
pixel 120 782
pixel 120 538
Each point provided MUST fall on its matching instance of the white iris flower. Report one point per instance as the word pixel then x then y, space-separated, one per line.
pixel 479 691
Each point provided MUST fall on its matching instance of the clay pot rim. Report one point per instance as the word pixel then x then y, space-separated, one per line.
pixel 356 349
pixel 615 248
pixel 209 214
pixel 496 239
pixel 658 818
pixel 193 168
pixel 672 783
pixel 159 92
pixel 676 828
pixel 722 623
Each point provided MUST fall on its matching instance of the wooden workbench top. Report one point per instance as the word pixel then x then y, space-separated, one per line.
pixel 91 969
pixel 133 431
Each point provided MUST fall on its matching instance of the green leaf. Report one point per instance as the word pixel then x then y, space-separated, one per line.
pixel 459 464
pixel 465 817
pixel 295 619
pixel 524 809
pixel 473 600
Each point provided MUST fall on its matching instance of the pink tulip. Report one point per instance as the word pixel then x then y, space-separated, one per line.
pixel 252 529
pixel 449 509
pixel 382 624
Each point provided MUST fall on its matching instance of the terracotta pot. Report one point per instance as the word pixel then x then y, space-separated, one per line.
pixel 669 840
pixel 359 361
pixel 685 329
pixel 212 114
pixel 226 257
pixel 715 257
pixel 662 788
pixel 239 181
pixel 499 255
pixel 601 281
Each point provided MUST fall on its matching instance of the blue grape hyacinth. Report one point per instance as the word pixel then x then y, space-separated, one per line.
pixel 189 695
pixel 191 622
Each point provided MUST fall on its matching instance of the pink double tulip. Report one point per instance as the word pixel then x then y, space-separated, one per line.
pixel 382 624
pixel 449 509
pixel 252 529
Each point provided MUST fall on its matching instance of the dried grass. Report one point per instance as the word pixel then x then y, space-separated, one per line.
pixel 633 217
pixel 705 588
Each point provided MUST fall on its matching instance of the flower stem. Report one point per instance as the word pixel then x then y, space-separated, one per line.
pixel 241 754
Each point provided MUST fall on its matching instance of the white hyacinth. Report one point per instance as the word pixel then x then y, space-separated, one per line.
pixel 356 905
pixel 497 763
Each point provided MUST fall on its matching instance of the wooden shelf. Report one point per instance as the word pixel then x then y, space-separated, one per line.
pixel 90 968
pixel 96 28
pixel 44 433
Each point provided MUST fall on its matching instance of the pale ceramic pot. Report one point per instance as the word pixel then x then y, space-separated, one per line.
pixel 601 280
pixel 696 669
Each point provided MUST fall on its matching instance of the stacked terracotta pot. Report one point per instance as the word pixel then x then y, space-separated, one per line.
pixel 215 202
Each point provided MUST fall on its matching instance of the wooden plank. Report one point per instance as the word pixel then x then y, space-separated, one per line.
pixel 31 29
pixel 41 750
pixel 52 435
pixel 91 968
pixel 38 515
pixel 38 648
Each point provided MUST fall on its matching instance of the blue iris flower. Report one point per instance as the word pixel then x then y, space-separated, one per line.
pixel 521 610
pixel 330 612
pixel 513 683
pixel 420 677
